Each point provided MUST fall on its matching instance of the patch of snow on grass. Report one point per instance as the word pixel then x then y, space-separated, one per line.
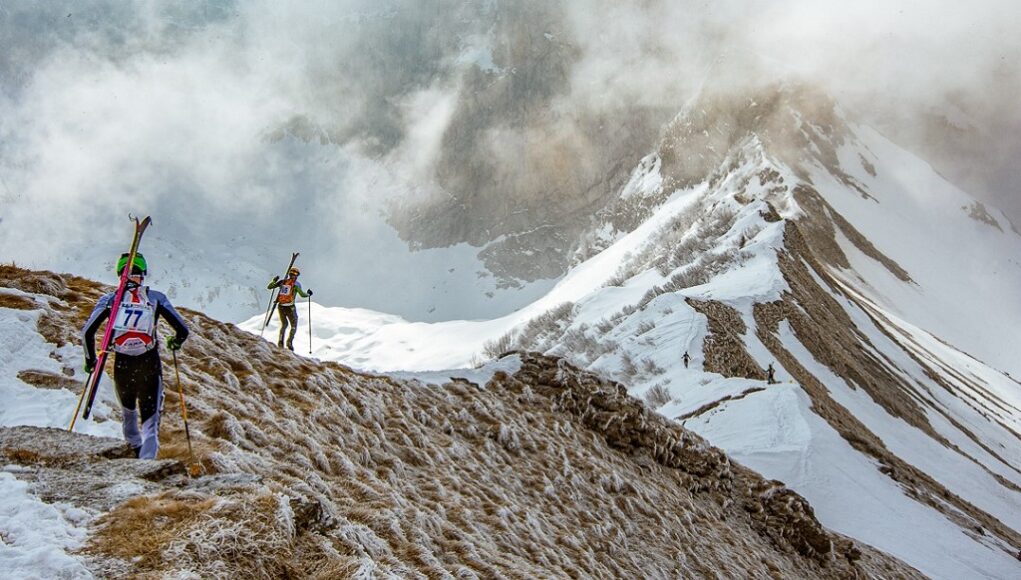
pixel 36 536
pixel 23 404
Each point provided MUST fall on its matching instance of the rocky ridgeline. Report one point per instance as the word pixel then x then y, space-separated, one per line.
pixel 314 470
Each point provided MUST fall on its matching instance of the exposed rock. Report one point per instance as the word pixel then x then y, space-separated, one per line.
pixel 95 473
pixel 978 212
pixel 723 348
pixel 820 225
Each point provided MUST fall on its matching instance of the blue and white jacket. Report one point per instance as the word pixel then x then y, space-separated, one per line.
pixel 134 330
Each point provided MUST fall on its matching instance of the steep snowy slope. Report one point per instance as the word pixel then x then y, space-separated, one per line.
pixel 768 229
pixel 314 470
pixel 964 258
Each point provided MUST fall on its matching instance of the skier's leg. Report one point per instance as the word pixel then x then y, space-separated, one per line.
pixel 129 426
pixel 124 387
pixel 282 311
pixel 151 426
pixel 293 317
pixel 150 404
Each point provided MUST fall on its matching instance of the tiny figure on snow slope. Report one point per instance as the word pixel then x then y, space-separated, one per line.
pixel 289 286
pixel 770 375
pixel 137 372
pixel 686 359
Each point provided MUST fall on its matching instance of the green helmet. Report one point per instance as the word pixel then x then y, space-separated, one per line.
pixel 138 265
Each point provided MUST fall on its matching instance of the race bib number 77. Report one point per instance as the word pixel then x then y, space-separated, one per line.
pixel 134 318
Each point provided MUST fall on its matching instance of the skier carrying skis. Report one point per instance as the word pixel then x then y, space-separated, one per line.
pixel 137 372
pixel 289 286
pixel 770 375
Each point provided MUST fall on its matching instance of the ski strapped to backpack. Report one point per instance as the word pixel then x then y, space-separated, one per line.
pixel 92 384
pixel 272 296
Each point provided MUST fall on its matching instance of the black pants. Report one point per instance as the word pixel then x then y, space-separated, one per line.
pixel 138 380
pixel 288 315
pixel 139 383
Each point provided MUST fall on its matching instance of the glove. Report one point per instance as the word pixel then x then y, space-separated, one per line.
pixel 276 279
pixel 173 343
pixel 310 293
pixel 90 365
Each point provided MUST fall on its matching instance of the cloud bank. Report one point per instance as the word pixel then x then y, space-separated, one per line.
pixel 304 120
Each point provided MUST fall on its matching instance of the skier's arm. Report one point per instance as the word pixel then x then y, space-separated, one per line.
pixel 302 293
pixel 165 309
pixel 100 313
pixel 274 283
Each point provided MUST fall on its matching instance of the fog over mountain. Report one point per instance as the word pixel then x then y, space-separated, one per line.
pixel 310 126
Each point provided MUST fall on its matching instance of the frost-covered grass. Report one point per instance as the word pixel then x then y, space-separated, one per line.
pixel 628 319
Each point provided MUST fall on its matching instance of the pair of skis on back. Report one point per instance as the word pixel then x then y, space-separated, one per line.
pixel 273 295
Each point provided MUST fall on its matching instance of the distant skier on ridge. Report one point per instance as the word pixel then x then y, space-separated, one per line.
pixel 137 372
pixel 289 286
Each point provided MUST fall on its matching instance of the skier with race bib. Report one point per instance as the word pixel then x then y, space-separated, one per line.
pixel 137 372
pixel 289 287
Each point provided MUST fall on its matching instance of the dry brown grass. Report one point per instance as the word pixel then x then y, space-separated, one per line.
pixel 17 302
pixel 23 457
pixel 141 529
pixel 723 347
pixel 176 447
pixel 39 282
pixel 48 380
pixel 657 396
pixel 246 534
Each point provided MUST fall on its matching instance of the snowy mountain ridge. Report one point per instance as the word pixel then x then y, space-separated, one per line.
pixel 314 470
pixel 769 229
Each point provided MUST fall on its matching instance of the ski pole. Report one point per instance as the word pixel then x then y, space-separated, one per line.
pixel 310 325
pixel 90 384
pixel 192 469
pixel 78 407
